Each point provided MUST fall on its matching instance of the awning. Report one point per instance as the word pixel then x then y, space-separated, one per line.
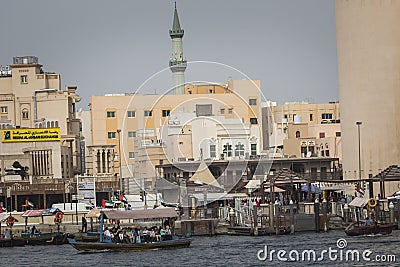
pixel 276 190
pixel 4 216
pixel 140 214
pixel 50 212
pixel 359 202
pixel 219 196
pixel 93 214
pixel 32 213
pixel 253 184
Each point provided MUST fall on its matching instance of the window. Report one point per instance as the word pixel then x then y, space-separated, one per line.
pixel 327 152
pixel 211 91
pixel 148 113
pixel 285 116
pixel 253 121
pixel 253 149
pixel 230 110
pixel 131 114
pixel 4 109
pixel 297 134
pixel 227 150
pixel 111 135
pixel 131 134
pixel 166 112
pixel 253 102
pixel 311 117
pixel 338 134
pixel 131 155
pixel 110 114
pixel 239 150
pixel 322 135
pixel 203 110
pixel 24 79
pixel 213 151
pixel 222 111
pixel 25 114
pixel 326 116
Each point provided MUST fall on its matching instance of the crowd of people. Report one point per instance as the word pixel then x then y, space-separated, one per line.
pixel 138 235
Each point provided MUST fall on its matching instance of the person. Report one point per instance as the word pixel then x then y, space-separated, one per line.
pixel 367 222
pixel 34 231
pixel 84 225
pixel 108 234
pixel 7 234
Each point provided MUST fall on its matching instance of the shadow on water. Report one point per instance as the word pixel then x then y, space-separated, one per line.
pixel 210 251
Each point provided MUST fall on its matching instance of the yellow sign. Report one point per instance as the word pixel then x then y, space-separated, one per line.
pixel 30 135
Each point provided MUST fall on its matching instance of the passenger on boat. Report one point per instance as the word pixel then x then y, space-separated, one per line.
pixel 108 234
pixel 146 235
pixel 34 231
pixel 7 234
pixel 367 222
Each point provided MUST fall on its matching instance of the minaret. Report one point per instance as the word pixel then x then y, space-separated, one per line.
pixel 177 63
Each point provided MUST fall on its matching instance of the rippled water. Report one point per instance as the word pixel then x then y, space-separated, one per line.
pixel 211 251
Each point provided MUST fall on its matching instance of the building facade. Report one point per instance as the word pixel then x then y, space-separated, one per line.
pixel 32 101
pixel 368 44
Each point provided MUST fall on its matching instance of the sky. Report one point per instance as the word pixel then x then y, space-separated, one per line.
pixel 111 47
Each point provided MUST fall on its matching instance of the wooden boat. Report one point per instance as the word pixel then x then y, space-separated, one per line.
pixel 54 238
pixel 120 247
pixel 87 237
pixel 12 242
pixel 356 230
pixel 108 245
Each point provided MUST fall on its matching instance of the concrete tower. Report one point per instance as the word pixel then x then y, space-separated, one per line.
pixel 177 63
pixel 368 43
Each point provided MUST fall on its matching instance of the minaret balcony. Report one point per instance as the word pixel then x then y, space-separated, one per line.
pixel 178 63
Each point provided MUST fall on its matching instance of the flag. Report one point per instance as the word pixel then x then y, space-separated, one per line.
pixel 103 203
pixel 29 204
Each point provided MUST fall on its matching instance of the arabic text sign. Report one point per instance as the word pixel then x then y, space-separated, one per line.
pixel 30 135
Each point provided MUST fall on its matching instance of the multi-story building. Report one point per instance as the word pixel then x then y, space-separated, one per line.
pixel 300 129
pixel 142 116
pixel 368 46
pixel 31 98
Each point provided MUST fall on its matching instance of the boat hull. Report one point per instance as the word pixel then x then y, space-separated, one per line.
pixel 120 247
pixel 46 239
pixel 14 242
pixel 382 229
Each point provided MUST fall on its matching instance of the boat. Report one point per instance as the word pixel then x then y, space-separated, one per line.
pixel 12 242
pixel 376 229
pixel 106 244
pixel 52 238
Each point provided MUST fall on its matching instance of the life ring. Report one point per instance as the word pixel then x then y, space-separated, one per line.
pixel 372 202
pixel 59 216
pixel 10 221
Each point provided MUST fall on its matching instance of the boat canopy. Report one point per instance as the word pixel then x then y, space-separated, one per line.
pixel 359 202
pixel 140 214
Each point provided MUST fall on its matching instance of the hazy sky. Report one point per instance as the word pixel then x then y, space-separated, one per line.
pixel 115 46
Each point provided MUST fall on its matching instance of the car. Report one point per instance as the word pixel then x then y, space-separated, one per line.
pixel 394 197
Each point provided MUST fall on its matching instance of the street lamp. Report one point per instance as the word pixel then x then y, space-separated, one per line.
pixel 358 123
pixel 119 159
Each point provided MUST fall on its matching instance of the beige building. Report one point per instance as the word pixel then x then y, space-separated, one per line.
pixel 32 101
pixel 368 43
pixel 298 128
pixel 142 116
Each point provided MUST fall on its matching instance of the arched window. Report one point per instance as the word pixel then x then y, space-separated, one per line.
pixel 297 134
pixel 48 124
pixel 56 124
pixel 52 124
pixel 25 114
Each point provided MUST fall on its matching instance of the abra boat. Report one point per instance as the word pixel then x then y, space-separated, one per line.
pixel 54 238
pixel 356 230
pixel 108 245
pixel 12 242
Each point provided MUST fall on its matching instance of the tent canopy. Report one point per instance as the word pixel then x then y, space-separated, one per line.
pixel 204 176
pixel 275 190
pixel 359 202
pixel 140 214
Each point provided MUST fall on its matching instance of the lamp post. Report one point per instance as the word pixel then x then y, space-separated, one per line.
pixel 119 159
pixel 358 123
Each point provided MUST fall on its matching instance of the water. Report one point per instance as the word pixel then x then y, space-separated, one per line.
pixel 212 251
